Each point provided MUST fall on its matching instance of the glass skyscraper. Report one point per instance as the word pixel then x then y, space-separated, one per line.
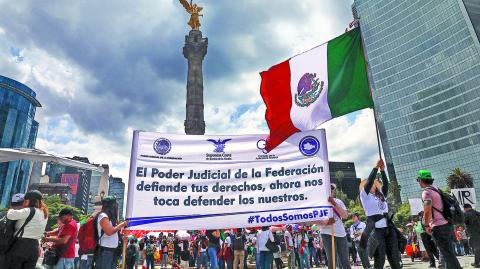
pixel 116 189
pixel 424 66
pixel 18 129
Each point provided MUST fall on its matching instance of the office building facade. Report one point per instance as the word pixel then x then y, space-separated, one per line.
pixel 18 129
pixel 117 189
pixel 99 183
pixel 77 179
pixel 424 67
pixel 345 176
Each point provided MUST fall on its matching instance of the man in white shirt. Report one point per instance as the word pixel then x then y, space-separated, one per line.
pixel 340 235
pixel 356 231
pixel 290 248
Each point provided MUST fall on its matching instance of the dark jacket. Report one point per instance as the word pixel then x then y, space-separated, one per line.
pixel 472 222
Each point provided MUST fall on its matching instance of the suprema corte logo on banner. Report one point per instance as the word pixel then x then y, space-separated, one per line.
pixel 162 146
pixel 309 146
pixel 218 150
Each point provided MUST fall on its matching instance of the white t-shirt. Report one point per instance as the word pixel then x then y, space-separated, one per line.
pixel 288 239
pixel 374 206
pixel 108 241
pixel 339 230
pixel 356 230
pixel 35 228
pixel 228 241
pixel 298 240
pixel 262 239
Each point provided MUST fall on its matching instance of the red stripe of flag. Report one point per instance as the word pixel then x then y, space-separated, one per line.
pixel 275 91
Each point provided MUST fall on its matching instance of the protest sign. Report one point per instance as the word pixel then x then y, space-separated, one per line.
pixel 206 182
pixel 416 206
pixel 465 196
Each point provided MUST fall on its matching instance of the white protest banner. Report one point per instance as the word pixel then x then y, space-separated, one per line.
pixel 207 182
pixel 465 196
pixel 416 206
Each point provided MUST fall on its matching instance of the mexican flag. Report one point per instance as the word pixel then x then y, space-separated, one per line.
pixel 311 88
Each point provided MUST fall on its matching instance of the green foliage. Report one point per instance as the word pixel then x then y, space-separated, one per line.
pixel 402 216
pixel 458 179
pixel 354 206
pixel 339 175
pixel 55 205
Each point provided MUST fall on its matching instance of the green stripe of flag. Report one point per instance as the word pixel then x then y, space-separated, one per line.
pixel 347 76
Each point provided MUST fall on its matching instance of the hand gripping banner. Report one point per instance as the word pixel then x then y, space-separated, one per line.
pixel 207 182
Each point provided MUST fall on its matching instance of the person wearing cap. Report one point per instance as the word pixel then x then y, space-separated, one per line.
pixel 289 243
pixel 356 230
pixel 472 223
pixel 64 241
pixel 24 252
pixel 379 234
pixel 16 203
pixel 108 229
pixel 339 234
pixel 435 223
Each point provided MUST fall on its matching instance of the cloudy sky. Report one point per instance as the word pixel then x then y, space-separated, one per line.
pixel 102 69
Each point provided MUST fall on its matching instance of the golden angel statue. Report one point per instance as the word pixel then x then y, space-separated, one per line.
pixel 194 11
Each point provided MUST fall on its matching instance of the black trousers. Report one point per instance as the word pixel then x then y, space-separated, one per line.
pixel 387 245
pixel 23 255
pixel 442 235
pixel 475 244
pixel 430 247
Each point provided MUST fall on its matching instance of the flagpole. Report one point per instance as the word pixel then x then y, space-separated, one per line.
pixel 371 93
pixel 334 252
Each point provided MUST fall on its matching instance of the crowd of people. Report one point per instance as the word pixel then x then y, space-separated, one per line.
pixel 434 236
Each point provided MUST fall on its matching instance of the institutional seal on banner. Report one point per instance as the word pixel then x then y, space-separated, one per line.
pixel 308 90
pixel 309 145
pixel 162 146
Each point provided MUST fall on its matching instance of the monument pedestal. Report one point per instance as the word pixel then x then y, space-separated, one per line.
pixel 194 51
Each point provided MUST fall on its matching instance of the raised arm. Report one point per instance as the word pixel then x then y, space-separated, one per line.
pixel 370 180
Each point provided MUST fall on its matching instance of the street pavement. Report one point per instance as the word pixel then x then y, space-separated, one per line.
pixel 465 262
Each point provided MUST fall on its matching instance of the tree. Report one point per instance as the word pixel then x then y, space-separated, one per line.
pixel 55 205
pixel 402 217
pixel 393 194
pixel 458 179
pixel 339 175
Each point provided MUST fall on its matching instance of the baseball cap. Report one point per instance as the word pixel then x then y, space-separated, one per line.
pixel 65 212
pixel 107 200
pixel 18 198
pixel 36 195
pixel 424 175
pixel 355 214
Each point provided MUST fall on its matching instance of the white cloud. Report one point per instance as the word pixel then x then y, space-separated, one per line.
pixel 63 80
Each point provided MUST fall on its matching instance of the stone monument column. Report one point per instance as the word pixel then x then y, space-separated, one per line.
pixel 195 50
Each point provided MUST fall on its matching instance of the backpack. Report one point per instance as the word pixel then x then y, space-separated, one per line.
pixel 149 250
pixel 451 208
pixel 131 253
pixel 7 231
pixel 88 236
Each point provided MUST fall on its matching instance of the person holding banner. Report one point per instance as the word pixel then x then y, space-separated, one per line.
pixel 339 234
pixel 380 235
pixel 108 228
